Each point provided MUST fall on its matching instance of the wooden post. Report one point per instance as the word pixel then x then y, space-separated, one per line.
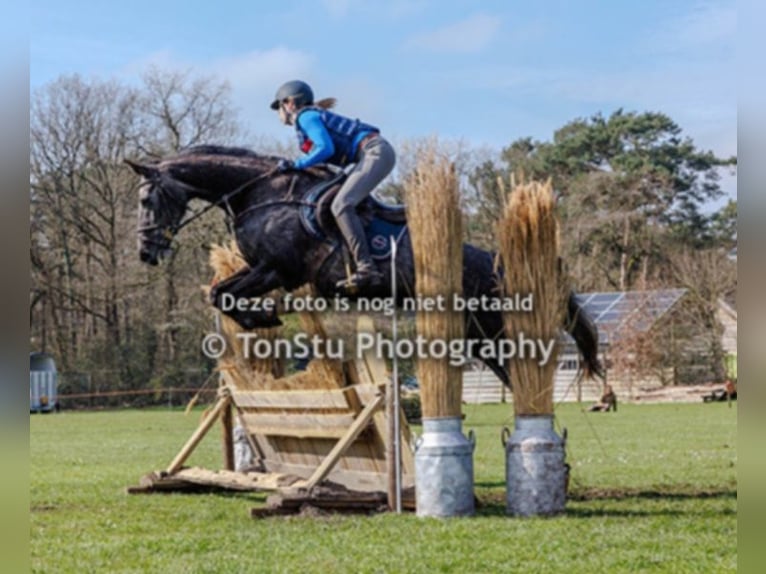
pixel 199 434
pixel 227 437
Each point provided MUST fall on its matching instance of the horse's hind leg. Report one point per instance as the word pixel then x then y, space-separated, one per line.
pixel 235 297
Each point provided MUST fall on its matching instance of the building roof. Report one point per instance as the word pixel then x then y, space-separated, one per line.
pixel 621 312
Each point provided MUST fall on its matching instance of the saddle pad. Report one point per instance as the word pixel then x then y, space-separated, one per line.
pixel 379 233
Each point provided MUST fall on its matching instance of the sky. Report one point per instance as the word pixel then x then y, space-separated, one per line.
pixel 484 72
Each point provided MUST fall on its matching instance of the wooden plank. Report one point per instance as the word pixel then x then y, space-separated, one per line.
pixel 250 481
pixel 353 479
pixel 302 420
pixel 300 399
pixel 195 477
pixel 353 432
pixel 306 434
pixel 331 499
pixel 298 425
pixel 198 435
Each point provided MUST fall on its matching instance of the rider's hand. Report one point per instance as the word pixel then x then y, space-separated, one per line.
pixel 284 165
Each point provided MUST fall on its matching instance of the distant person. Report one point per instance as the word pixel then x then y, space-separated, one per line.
pixel 727 393
pixel 327 137
pixel 608 401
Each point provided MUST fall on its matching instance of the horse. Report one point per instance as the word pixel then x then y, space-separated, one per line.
pixel 281 224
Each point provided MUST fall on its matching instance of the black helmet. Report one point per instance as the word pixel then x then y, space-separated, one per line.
pixel 300 91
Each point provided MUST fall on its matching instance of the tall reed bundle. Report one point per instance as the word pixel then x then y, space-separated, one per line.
pixel 529 246
pixel 435 226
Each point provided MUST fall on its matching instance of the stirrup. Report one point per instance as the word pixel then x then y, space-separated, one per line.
pixel 367 278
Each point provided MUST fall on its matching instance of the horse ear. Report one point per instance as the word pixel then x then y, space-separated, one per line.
pixel 147 171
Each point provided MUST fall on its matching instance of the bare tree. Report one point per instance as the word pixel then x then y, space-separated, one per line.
pixel 708 275
pixel 91 301
pixel 182 111
pixel 79 134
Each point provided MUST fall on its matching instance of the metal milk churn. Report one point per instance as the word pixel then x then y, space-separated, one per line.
pixel 535 471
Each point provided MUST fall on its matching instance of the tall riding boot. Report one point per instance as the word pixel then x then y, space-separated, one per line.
pixel 352 230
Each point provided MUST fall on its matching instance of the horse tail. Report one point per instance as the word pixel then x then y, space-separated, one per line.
pixel 585 334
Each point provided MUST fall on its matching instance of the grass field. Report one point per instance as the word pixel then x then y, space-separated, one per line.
pixel 653 489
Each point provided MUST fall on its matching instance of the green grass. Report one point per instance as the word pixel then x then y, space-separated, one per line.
pixel 653 489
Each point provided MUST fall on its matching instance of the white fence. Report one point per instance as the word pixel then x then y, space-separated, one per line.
pixel 482 386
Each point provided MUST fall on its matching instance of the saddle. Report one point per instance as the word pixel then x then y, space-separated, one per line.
pixel 319 221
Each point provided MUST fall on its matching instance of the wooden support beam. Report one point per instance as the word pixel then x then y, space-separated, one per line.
pixel 227 438
pixel 353 432
pixel 199 434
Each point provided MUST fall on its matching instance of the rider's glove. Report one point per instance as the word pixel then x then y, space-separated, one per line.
pixel 284 165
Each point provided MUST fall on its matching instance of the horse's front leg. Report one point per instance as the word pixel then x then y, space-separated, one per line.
pixel 237 297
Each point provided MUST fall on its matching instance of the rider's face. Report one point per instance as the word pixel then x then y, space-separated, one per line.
pixel 287 110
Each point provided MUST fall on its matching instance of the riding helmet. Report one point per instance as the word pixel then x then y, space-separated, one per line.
pixel 300 91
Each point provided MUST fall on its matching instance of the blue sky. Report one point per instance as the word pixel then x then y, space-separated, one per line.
pixel 486 72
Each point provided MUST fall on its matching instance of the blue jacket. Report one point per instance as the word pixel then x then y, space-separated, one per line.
pixel 324 136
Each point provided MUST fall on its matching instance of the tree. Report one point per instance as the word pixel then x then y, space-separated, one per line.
pixel 91 302
pixel 624 182
pixel 708 275
pixel 182 111
pixel 79 134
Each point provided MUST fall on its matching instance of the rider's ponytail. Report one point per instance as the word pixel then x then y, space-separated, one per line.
pixel 326 103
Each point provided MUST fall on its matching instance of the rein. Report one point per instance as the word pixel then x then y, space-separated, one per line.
pixel 171 231
pixel 224 199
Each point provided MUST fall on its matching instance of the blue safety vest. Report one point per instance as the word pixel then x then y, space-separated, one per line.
pixel 344 133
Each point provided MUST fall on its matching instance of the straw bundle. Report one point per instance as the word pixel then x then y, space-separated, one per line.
pixel 435 226
pixel 266 373
pixel 252 372
pixel 529 245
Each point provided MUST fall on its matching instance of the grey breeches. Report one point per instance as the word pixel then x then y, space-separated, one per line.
pixel 376 160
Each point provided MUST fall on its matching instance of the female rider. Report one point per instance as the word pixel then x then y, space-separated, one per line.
pixel 327 137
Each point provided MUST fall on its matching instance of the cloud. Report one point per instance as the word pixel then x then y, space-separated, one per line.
pixel 699 98
pixel 253 77
pixel 707 25
pixel 467 36
pixel 377 9
pixel 262 71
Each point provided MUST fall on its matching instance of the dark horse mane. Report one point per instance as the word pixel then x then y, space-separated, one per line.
pixel 238 156
pixel 210 149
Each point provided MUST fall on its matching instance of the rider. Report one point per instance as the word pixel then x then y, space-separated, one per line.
pixel 324 136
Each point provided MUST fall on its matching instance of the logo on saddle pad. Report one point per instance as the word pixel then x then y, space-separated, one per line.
pixel 378 242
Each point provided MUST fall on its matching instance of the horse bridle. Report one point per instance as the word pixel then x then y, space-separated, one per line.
pixel 170 231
